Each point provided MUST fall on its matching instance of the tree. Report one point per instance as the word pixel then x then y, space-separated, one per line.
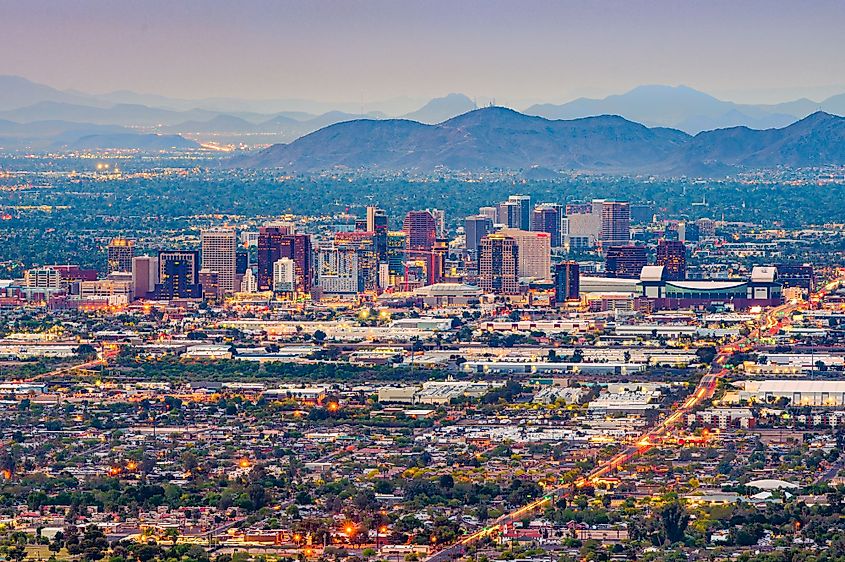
pixel 674 518
pixel 86 351
pixel 172 534
pixel 71 540
pixel 319 336
pixel 706 354
pixel 93 543
pixel 190 462
pixel 258 496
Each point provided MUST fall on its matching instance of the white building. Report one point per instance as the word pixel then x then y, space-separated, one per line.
pixel 284 275
pixel 249 284
pixel 798 392
pixel 118 293
pixel 42 278
pixel 338 271
pixel 723 418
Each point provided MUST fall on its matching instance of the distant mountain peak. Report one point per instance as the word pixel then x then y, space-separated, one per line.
pixel 438 110
pixel 820 117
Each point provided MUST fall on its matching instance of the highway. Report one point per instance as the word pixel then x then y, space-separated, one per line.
pixel 771 322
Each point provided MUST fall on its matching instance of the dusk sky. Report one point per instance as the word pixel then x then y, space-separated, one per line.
pixel 515 51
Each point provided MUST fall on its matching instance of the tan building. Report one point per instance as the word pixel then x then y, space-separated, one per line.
pixel 498 265
pixel 218 255
pixel 535 253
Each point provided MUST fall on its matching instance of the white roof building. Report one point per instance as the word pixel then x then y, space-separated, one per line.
pixel 798 392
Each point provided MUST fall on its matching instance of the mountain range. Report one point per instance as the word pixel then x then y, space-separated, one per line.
pixel 501 138
pixel 689 110
pixel 37 117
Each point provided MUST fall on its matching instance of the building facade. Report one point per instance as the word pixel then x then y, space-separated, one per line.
pixel 567 281
pixel 119 255
pixel 219 246
pixel 178 275
pixel 625 262
pixel 498 265
pixel 672 255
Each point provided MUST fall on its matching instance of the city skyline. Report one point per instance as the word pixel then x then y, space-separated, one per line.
pixel 270 293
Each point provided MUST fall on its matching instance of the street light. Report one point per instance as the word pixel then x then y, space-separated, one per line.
pixel 379 531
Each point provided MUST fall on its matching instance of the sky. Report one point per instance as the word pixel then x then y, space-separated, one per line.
pixel 515 51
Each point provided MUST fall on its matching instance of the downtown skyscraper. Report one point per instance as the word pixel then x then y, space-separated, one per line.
pixel 219 246
pixel 498 265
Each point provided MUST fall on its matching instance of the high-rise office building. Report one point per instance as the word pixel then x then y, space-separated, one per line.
pixel 276 242
pixel 438 260
pixel 249 239
pixel 642 214
pixel 298 248
pixel 523 202
pixel 535 253
pixel 219 246
pixel 691 233
pixel 498 262
pixel 241 270
pixel 547 218
pixel 144 276
pixel 178 275
pixel 269 250
pixel 421 231
pixel 476 227
pixel 249 283
pixel 706 227
pixel 567 281
pixel 672 255
pixel 508 214
pixel 241 262
pixel 515 212
pixel 365 244
pixel 615 223
pixel 377 224
pixel 396 247
pixel 491 213
pixel 625 261
pixel 120 254
pixel 582 226
pixel 439 216
pixel 338 272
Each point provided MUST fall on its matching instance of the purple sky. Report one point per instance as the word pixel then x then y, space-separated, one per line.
pixel 515 51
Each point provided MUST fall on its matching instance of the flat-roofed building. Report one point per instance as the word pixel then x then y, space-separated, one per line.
pixel 796 392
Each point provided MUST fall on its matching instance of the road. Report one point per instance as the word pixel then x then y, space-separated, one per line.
pixel 771 322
